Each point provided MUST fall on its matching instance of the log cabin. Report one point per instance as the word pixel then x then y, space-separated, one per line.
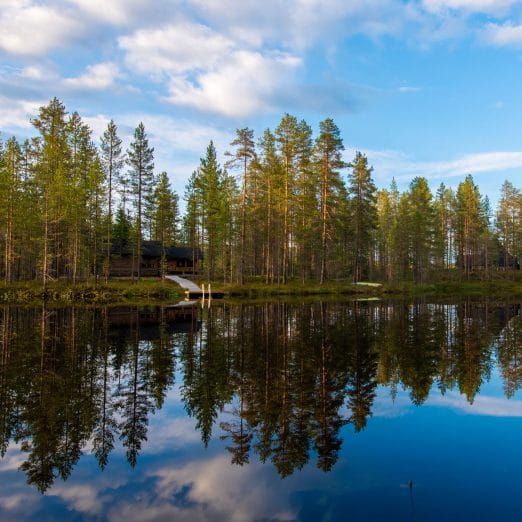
pixel 177 260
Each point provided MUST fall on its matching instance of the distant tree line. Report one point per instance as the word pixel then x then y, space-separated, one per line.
pixel 290 213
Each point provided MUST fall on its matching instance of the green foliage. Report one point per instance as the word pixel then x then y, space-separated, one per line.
pixel 362 215
pixel 165 213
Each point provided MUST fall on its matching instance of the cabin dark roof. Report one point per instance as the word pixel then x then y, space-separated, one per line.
pixel 154 249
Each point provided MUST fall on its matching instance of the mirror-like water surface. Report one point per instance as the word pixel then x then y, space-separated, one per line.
pixel 262 411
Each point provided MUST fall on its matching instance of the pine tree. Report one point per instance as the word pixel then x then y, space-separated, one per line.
pixel 76 186
pixel 470 224
pixel 444 234
pixel 306 231
pixel 244 154
pixel 287 136
pixel 112 161
pixel 96 197
pixel 11 185
pixel 328 148
pixel 270 176
pixel 51 170
pixel 509 221
pixel 140 158
pixel 190 230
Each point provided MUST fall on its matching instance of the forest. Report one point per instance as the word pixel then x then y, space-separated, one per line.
pixel 285 206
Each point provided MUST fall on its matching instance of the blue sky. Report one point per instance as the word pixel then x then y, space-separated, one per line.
pixel 423 87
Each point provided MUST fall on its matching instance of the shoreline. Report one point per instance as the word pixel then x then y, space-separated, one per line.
pixel 153 290
pixel 500 288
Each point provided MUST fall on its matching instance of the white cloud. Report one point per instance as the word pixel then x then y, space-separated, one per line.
pixel 400 165
pixel 28 28
pixel 174 49
pixel 472 6
pixel 300 24
pixel 176 134
pixel 114 11
pixel 98 124
pixel 98 76
pixel 17 113
pixel 505 34
pixel 407 88
pixel 208 71
pixel 246 84
pixel 32 72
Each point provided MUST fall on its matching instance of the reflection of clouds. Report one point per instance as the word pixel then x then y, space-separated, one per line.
pixel 172 433
pixel 208 490
pixel 82 498
pixel 13 501
pixel 13 459
pixel 482 405
pixel 390 407
pixel 236 492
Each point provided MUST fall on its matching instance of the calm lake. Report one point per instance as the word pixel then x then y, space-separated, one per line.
pixel 262 411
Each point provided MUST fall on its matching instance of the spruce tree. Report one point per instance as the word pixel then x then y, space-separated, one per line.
pixel 165 216
pixel 363 214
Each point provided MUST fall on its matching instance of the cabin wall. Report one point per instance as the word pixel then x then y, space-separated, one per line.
pixel 121 266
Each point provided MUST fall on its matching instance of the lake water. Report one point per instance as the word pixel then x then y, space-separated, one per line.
pixel 272 411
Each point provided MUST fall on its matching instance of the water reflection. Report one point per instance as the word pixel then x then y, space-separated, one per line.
pixel 275 380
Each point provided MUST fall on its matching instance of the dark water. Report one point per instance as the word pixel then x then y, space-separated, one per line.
pixel 313 411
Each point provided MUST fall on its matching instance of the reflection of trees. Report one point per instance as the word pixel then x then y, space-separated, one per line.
pixel 278 374
pixel 63 375
pixel 207 387
pixel 509 353
pixel 105 424
pixel 419 355
pixel 362 365
pixel 473 348
pixel 133 396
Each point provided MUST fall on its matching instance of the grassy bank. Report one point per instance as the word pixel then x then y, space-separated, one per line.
pixel 151 290
pixel 115 291
pixel 253 289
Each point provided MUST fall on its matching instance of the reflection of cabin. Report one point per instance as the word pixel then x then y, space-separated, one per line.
pixel 150 322
pixel 178 260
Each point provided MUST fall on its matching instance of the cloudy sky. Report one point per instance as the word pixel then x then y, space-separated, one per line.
pixel 423 87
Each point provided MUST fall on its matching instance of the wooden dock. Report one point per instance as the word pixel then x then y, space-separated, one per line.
pixel 192 290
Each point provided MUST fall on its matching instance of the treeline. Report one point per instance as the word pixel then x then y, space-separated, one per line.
pixel 296 209
pixel 294 215
pixel 64 200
